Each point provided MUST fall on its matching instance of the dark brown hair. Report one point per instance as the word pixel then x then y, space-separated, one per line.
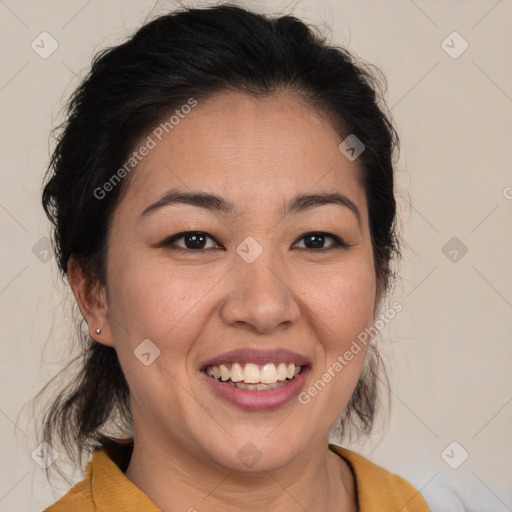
pixel 132 87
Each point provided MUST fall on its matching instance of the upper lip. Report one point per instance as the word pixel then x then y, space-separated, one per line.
pixel 257 356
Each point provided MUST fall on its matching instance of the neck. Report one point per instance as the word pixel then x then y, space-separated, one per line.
pixel 174 479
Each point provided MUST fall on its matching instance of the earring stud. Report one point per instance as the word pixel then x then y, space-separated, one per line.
pixel 98 331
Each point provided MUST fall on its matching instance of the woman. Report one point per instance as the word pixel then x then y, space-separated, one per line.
pixel 223 208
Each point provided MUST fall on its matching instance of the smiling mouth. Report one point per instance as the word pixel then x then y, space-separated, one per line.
pixel 254 377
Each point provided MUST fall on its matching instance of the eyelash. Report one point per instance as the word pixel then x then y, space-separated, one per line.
pixel 168 242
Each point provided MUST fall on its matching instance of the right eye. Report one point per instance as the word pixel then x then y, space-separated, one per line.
pixel 193 241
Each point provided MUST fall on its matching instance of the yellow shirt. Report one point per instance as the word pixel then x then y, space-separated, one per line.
pixel 106 488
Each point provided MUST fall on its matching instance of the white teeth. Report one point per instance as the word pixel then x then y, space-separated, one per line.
pixel 252 373
pixel 236 373
pixel 267 376
pixel 224 372
pixel 282 372
pixel 258 387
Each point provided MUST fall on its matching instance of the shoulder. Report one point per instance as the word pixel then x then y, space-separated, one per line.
pixel 378 489
pixel 105 487
pixel 78 498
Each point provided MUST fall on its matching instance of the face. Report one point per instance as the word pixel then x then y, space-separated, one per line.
pixel 275 285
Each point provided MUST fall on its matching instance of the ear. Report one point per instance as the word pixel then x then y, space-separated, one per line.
pixel 92 301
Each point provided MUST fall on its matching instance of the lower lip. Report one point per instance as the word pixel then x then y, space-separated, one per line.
pixel 258 400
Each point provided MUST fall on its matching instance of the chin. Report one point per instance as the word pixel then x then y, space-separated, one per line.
pixel 253 454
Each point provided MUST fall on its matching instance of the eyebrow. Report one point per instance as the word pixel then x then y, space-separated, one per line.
pixel 297 204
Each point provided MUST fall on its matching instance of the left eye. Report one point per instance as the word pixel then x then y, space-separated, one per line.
pixel 195 240
pixel 318 238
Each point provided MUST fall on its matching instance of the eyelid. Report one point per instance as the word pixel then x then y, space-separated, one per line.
pixel 339 242
pixel 169 241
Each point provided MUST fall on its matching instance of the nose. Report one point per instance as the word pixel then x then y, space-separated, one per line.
pixel 261 296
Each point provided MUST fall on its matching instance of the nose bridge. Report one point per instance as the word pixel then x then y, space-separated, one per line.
pixel 258 265
pixel 259 293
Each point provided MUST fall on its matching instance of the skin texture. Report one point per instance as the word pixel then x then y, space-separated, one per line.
pixel 194 305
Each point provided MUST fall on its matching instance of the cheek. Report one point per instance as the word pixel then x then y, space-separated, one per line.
pixel 343 301
pixel 154 300
pixel 341 310
pixel 340 314
pixel 161 303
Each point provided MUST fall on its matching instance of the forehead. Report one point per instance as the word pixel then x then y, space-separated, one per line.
pixel 245 148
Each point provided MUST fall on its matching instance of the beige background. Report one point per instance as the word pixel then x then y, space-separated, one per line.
pixel 449 351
